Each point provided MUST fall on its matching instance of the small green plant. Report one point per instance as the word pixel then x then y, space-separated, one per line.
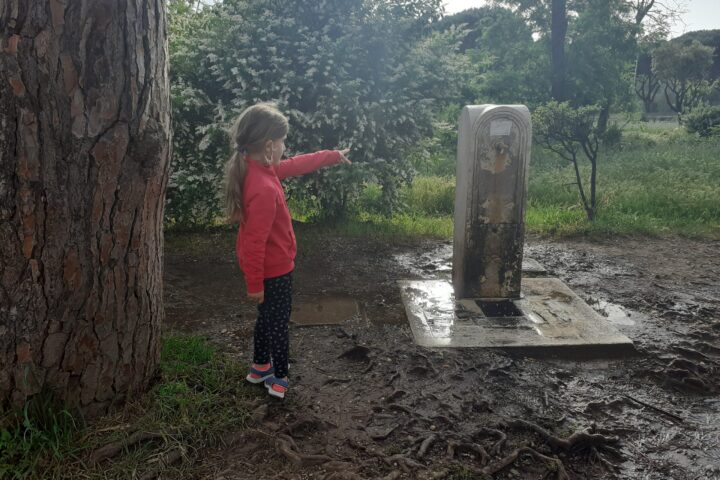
pixel 41 430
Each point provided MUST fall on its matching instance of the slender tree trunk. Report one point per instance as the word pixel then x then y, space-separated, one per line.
pixel 578 179
pixel 558 31
pixel 84 150
pixel 593 189
pixel 603 118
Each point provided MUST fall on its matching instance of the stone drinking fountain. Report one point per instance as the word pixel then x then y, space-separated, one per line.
pixel 489 303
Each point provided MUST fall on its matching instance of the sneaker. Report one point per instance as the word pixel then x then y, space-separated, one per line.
pixel 258 376
pixel 277 387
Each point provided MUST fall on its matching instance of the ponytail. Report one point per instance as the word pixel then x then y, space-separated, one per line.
pixel 235 177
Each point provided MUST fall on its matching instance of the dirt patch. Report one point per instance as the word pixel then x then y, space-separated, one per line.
pixel 365 402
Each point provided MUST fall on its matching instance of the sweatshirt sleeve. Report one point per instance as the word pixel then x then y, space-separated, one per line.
pixel 302 164
pixel 259 217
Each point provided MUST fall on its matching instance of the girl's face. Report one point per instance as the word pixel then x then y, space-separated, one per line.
pixel 274 150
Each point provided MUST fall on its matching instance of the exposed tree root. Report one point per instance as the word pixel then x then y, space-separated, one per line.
pixel 286 446
pixel 693 354
pixel 554 463
pixel 576 441
pixel 457 447
pixel 612 404
pixel 369 368
pixel 407 464
pixel 607 464
pixel 165 460
pixel 297 428
pixel 385 434
pixel 392 378
pixel 112 449
pixel 496 449
pixel 402 461
pixel 333 380
pixel 426 444
pixel 395 395
pixel 653 407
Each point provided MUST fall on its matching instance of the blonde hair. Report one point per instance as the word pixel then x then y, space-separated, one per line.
pixel 249 133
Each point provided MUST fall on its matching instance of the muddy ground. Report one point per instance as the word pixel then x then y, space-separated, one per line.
pixel 365 402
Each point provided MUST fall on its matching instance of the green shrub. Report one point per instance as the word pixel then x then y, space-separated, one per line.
pixel 371 200
pixel 703 121
pixel 369 76
pixel 612 137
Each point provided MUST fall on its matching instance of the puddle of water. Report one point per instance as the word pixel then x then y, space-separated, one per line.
pixel 429 264
pixel 323 310
pixel 437 263
pixel 616 314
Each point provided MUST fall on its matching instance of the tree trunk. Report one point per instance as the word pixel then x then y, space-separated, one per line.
pixel 603 118
pixel 558 31
pixel 84 150
pixel 593 189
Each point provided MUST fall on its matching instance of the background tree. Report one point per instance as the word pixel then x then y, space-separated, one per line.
pixel 590 45
pixel 85 147
pixel 709 38
pixel 601 53
pixel 684 70
pixel 549 19
pixel 508 65
pixel 572 133
pixel 558 33
pixel 647 83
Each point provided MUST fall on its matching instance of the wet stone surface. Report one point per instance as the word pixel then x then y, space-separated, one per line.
pixel 550 317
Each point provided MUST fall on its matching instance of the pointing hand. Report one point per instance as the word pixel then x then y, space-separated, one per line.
pixel 343 158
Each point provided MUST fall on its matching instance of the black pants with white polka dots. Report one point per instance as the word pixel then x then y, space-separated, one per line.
pixel 271 329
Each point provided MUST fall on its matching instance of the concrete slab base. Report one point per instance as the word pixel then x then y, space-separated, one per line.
pixel 548 318
pixel 311 310
pixel 532 268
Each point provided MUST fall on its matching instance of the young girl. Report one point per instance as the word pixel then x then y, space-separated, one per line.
pixel 266 243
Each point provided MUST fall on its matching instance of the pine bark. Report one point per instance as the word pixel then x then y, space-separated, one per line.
pixel 84 158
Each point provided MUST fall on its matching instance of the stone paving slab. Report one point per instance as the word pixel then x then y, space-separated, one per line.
pixel 553 318
pixel 309 310
pixel 531 267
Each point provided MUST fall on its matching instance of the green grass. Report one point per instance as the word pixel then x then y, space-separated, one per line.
pixel 201 396
pixel 41 431
pixel 658 181
pixel 399 225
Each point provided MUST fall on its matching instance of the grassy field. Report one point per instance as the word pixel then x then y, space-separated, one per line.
pixel 200 396
pixel 658 181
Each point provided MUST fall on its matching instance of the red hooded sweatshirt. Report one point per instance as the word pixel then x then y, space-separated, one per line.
pixel 266 242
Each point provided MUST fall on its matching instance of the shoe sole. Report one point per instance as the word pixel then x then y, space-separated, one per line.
pixel 273 393
pixel 255 381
